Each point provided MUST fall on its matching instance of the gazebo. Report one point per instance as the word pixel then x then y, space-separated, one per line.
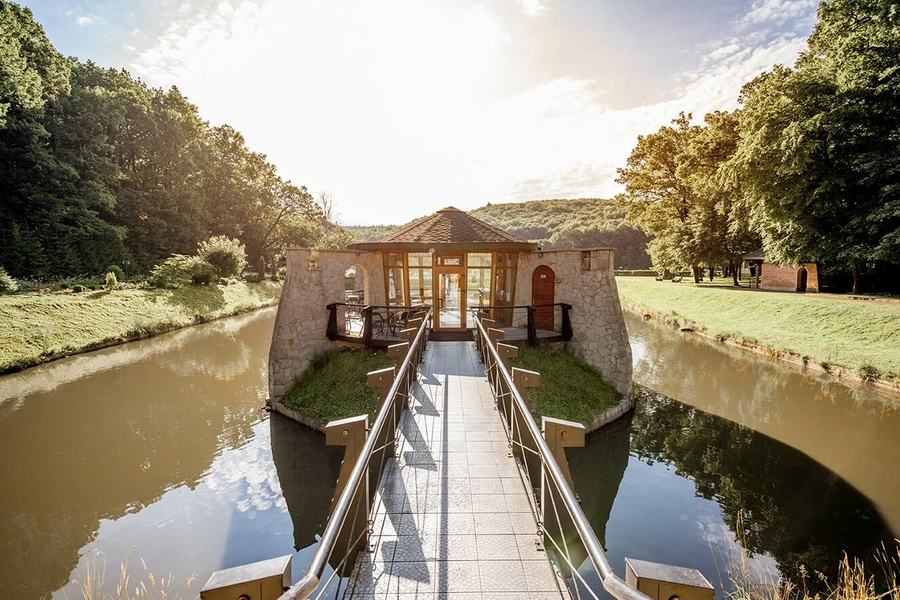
pixel 454 263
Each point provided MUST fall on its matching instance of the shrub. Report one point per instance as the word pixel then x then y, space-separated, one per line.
pixel 179 269
pixel 117 270
pixel 870 372
pixel 251 277
pixel 7 283
pixel 226 255
pixel 77 288
pixel 202 273
pixel 280 274
pixel 111 281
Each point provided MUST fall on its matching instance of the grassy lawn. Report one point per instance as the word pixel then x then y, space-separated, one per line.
pixel 858 335
pixel 36 327
pixel 570 389
pixel 334 385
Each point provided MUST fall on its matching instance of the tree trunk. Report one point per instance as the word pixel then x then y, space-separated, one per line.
pixel 735 272
pixel 712 272
pixel 855 280
pixel 697 272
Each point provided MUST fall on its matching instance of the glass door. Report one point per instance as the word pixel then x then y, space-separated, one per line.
pixel 451 299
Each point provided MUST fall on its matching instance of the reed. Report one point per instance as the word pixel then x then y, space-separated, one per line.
pixel 93 584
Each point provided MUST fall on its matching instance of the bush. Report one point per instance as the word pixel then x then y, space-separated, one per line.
pixel 251 277
pixel 636 272
pixel 279 274
pixel 7 283
pixel 117 270
pixel 111 281
pixel 226 255
pixel 179 269
pixel 77 288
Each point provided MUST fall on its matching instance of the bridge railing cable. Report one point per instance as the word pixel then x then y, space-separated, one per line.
pixel 350 526
pixel 562 525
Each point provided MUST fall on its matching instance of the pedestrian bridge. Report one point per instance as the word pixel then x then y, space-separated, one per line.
pixel 454 489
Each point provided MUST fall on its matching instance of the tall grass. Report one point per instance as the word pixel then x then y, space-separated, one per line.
pixel 854 581
pixel 93 583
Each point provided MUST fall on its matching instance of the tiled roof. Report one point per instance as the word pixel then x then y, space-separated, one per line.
pixel 450 226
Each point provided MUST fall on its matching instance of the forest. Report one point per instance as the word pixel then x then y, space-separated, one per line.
pixel 99 169
pixel 808 167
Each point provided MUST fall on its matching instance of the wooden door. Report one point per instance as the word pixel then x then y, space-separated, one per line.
pixel 543 284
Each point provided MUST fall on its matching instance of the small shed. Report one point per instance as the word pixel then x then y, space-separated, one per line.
pixel 767 275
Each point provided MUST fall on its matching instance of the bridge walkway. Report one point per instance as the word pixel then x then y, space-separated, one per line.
pixel 452 517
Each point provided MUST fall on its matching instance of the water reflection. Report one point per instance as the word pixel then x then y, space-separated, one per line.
pixel 677 485
pixel 851 429
pixel 157 449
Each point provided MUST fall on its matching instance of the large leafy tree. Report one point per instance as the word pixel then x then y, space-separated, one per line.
pixel 819 149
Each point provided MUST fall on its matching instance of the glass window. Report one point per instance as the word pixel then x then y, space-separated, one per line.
pixel 478 288
pixel 393 278
pixel 419 259
pixel 421 290
pixel 479 259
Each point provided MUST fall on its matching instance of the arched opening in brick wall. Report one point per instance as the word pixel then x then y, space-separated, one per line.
pixel 802 277
pixel 356 285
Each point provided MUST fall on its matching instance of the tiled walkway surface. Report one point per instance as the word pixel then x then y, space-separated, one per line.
pixel 452 516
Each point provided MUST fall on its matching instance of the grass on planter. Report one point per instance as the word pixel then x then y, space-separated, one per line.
pixel 570 389
pixel 334 385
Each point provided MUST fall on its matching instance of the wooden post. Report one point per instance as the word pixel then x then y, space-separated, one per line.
pixel 524 380
pixel 496 335
pixel 566 322
pixel 367 326
pixel 350 433
pixel 506 352
pixel 397 352
pixel 488 323
pixel 331 328
pixel 381 380
pixel 408 334
pixel 560 435
pixel 532 331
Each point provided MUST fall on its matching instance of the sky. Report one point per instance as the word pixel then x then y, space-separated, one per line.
pixel 398 108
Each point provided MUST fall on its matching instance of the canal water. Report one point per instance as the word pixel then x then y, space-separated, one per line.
pixel 156 454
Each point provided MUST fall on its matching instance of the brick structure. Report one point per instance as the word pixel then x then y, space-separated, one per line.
pixel 462 263
pixel 803 277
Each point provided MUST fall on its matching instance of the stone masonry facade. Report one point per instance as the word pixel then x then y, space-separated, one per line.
pixel 315 278
pixel 598 325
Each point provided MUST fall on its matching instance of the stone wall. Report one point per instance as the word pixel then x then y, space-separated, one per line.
pixel 784 277
pixel 598 326
pixel 314 279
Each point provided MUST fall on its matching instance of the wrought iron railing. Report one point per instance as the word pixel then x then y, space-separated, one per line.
pixel 367 451
pixel 368 323
pixel 535 319
pixel 565 530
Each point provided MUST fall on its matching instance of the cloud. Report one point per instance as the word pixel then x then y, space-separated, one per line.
pixel 395 108
pixel 532 8
pixel 84 20
pixel 779 11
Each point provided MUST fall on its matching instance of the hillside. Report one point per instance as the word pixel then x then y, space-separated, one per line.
pixel 582 223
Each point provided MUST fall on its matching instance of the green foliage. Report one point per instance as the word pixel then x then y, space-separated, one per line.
pixel 818 142
pixel 111 281
pixel 77 288
pixel 570 388
pixel 97 168
pixel 584 223
pixel 179 269
pixel 226 255
pixel 7 283
pixel 370 233
pixel 117 271
pixel 334 385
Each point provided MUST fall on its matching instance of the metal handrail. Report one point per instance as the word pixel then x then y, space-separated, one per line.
pixel 310 580
pixel 611 582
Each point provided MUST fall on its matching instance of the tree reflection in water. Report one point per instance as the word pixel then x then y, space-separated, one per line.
pixel 786 505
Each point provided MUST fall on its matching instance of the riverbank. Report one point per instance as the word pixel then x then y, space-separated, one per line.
pixel 36 328
pixel 853 339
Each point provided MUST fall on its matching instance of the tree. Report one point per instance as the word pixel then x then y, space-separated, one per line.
pixel 818 150
pixel 660 196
